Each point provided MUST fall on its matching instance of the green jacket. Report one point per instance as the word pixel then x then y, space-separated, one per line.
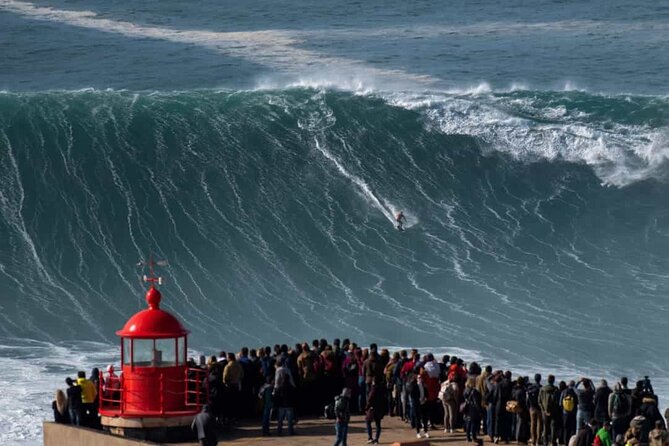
pixel 549 400
pixel 604 437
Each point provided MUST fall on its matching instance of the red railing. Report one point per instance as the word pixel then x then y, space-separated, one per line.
pixel 195 391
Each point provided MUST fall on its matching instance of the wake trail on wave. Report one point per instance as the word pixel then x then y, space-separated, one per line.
pixel 387 208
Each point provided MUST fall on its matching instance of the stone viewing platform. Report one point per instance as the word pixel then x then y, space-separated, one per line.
pixel 310 432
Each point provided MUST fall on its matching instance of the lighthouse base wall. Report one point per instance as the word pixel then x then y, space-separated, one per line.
pixel 158 429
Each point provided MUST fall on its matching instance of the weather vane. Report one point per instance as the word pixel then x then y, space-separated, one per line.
pixel 151 278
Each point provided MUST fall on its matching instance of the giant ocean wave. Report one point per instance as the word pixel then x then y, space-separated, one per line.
pixel 537 219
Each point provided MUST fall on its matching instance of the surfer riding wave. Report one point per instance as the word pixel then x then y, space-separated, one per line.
pixel 401 220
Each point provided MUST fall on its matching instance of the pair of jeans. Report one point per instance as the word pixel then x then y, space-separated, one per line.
pixel 285 413
pixel 552 429
pixel 377 422
pixel 450 414
pixel 568 426
pixel 341 431
pixel 420 417
pixel 582 417
pixel 536 426
pixel 362 393
pixel 75 417
pixel 266 415
pixel 619 426
pixel 490 420
pixel 472 426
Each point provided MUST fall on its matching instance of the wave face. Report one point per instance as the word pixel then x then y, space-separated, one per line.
pixel 537 221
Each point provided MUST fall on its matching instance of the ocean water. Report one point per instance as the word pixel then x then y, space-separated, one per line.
pixel 262 149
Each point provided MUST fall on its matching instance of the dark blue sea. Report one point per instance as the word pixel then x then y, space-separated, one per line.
pixel 262 149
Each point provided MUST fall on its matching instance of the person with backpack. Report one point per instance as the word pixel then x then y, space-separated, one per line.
pixel 284 396
pixel 568 402
pixel 449 399
pixel 472 410
pixel 549 402
pixel 602 402
pixel 342 413
pixel 620 409
pixel 536 418
pixel 585 409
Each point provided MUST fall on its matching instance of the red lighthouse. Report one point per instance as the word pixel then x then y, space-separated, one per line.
pixel 159 395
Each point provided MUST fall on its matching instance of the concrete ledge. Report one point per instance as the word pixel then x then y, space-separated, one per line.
pixel 412 443
pixel 56 434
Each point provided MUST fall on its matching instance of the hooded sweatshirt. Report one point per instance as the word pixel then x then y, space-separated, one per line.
pixel 549 398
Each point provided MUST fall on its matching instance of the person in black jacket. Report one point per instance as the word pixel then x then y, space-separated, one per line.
pixel 502 394
pixel 522 424
pixel 375 410
pixel 602 402
pixel 473 410
pixel 651 413
pixel 536 417
pixel 204 426
pixel 74 406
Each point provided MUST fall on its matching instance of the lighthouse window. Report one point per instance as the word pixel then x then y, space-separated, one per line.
pixel 166 355
pixel 181 351
pixel 142 352
pixel 127 352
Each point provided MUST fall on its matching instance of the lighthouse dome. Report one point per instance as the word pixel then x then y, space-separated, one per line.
pixel 152 322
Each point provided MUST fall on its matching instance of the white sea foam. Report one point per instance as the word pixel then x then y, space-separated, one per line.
pixel 618 153
pixel 278 49
pixel 32 371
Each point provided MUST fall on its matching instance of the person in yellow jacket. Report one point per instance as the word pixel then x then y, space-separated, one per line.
pixel 88 394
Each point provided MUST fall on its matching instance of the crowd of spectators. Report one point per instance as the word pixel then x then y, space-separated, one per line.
pixel 281 384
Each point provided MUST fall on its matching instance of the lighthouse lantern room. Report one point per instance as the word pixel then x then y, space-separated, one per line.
pixel 159 395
